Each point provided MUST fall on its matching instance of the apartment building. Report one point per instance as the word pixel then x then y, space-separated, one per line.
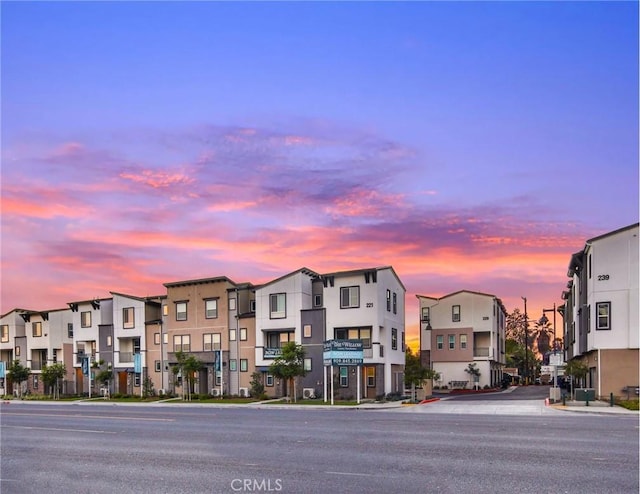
pixel 600 313
pixel 92 327
pixel 156 346
pixel 12 345
pixel 242 338
pixel 198 323
pixel 368 305
pixel 459 329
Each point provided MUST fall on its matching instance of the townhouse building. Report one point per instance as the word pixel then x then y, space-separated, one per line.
pixel 48 341
pixel 600 311
pixel 369 305
pixel 92 328
pixel 133 318
pixel 242 338
pixel 459 329
pixel 12 346
pixel 157 346
pixel 198 324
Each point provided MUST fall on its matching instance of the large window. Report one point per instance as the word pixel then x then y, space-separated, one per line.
pixel 363 334
pixel 4 333
pixel 181 311
pixel 603 310
pixel 85 319
pixel 349 297
pixel 455 313
pixel 37 328
pixel 128 321
pixel 182 343
pixel 211 308
pixel 211 341
pixel 278 304
pixel 439 342
pixel 394 339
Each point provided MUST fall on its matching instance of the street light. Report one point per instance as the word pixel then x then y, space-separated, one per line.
pixel 526 342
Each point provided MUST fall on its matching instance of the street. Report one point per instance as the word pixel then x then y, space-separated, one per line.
pixel 182 449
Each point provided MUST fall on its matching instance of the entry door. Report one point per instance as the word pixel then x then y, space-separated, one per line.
pixel 122 383
pixel 79 381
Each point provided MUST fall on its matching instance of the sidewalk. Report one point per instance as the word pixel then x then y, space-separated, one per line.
pixel 594 407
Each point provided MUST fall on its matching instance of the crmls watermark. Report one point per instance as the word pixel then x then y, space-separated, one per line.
pixel 256 485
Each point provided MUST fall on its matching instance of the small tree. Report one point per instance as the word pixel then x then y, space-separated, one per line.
pixel 188 366
pixel 51 376
pixel 473 371
pixel 577 370
pixel 289 365
pixel 257 388
pixel 19 374
pixel 415 374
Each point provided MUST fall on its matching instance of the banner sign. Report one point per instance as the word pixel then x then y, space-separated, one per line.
pixel 137 363
pixel 343 352
pixel 85 366
pixel 2 370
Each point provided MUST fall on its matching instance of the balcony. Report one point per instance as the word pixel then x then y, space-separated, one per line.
pixel 37 365
pixel 126 357
pixel 483 352
pixel 367 352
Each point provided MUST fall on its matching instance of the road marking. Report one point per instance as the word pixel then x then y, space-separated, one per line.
pixel 77 415
pixel 55 429
pixel 350 473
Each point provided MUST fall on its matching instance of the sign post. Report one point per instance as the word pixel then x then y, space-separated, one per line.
pixel 343 353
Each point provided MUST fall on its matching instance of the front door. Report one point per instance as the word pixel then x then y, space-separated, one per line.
pixel 79 381
pixel 122 383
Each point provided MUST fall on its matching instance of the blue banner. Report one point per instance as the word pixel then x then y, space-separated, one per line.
pixel 85 366
pixel 2 370
pixel 137 363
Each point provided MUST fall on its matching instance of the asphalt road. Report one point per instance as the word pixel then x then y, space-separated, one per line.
pixel 124 449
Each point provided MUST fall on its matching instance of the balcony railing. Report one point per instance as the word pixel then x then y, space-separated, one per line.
pixel 367 352
pixel 37 365
pixel 483 352
pixel 126 357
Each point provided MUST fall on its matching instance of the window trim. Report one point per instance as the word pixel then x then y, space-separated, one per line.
pixel 244 365
pixel 394 339
pixel 279 313
pixel 395 303
pixel 388 300
pixel 186 308
pixel 350 305
pixel 463 343
pixel 157 365
pixel 126 324
pixel 306 331
pixel 452 342
pixel 36 329
pixel 344 379
pixel 456 316
pixel 424 314
pixel 212 343
pixel 4 333
pixel 214 311
pixel 182 338
pixel 440 342
pixel 370 384
pixel 85 319
pixel 608 326
pixel 243 334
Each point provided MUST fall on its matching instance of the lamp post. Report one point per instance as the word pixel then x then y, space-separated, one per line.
pixel 526 342
pixel 544 320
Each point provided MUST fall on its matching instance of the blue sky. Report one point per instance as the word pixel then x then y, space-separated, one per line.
pixel 469 145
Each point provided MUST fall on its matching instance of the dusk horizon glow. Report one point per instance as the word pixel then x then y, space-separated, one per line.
pixel 470 146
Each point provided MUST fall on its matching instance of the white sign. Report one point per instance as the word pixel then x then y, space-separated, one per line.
pixel 556 359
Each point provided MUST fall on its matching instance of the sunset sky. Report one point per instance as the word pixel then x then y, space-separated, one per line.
pixel 469 145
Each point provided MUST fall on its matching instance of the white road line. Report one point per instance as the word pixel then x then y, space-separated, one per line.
pixel 350 473
pixel 80 416
pixel 55 429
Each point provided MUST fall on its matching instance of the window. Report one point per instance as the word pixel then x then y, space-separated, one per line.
pixel 244 365
pixel 35 381
pixel 439 342
pixel 455 313
pixel 181 311
pixel 211 308
pixel 252 305
pixel 363 334
pixel 243 334
pixel 463 341
pixel 211 341
pixel 156 338
pixel 136 345
pixel 109 340
pixel 349 297
pixel 589 266
pixel 232 304
pixel 603 310
pixel 4 333
pixel 69 330
pixel 388 300
pixel 157 365
pixel 394 339
pixel 317 300
pixel 127 318
pixel 371 377
pixel 165 310
pixel 306 331
pixel 232 335
pixel 344 377
pixel 278 304
pixel 424 316
pixel 165 338
pixel 269 380
pixel 452 342
pixel 85 319
pixel 55 356
pixel 136 379
pixel 395 303
pixel 17 351
pixel 381 350
pixel 307 364
pixel 37 328
pixel 403 343
pixel 233 365
pixel 182 343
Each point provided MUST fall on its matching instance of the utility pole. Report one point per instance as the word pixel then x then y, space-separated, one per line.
pixel 526 342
